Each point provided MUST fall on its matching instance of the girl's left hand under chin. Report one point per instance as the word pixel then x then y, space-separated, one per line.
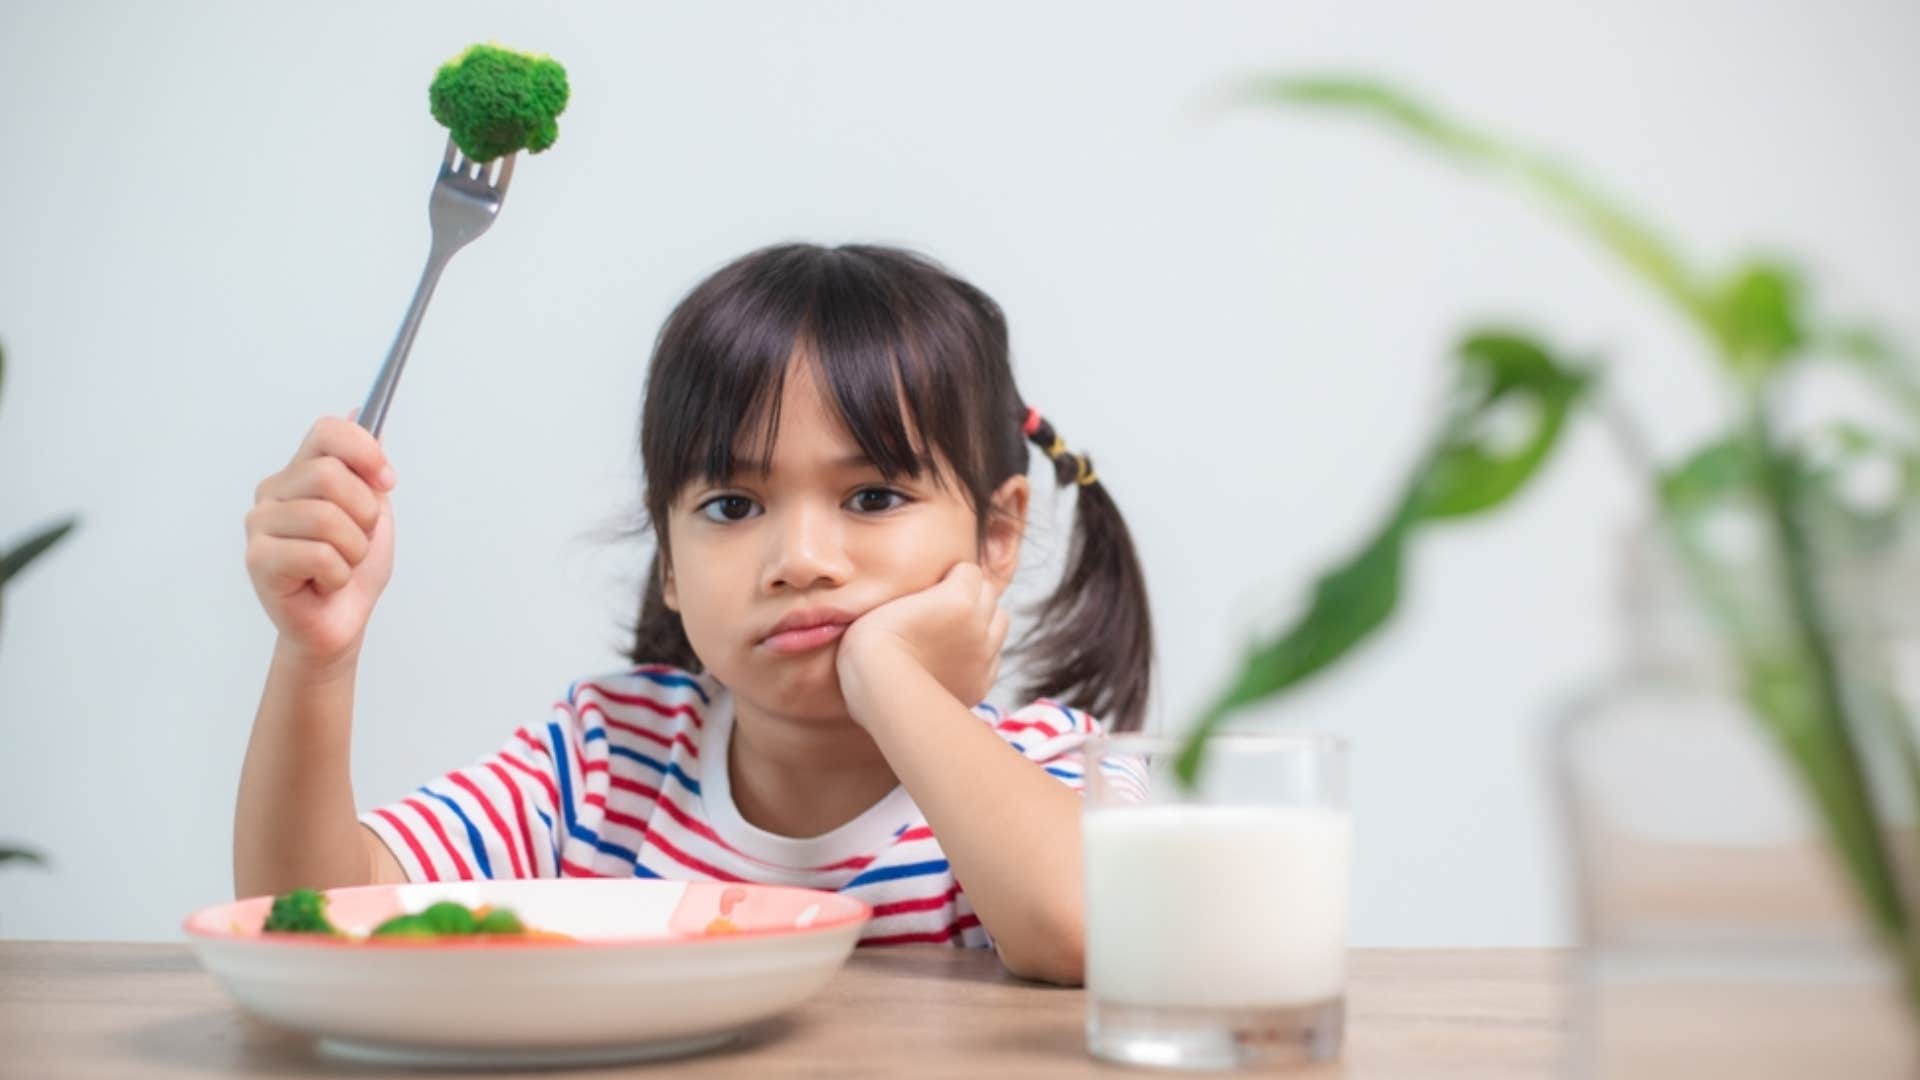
pixel 953 631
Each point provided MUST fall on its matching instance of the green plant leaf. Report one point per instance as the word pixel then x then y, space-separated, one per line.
pixel 33 547
pixel 1715 472
pixel 1784 696
pixel 25 855
pixel 1467 471
pixel 1630 240
pixel 1762 310
pixel 1349 602
pixel 1483 462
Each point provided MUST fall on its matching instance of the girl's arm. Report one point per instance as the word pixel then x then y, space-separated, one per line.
pixel 319 552
pixel 1011 831
pixel 295 825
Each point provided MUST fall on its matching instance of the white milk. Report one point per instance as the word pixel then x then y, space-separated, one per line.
pixel 1217 906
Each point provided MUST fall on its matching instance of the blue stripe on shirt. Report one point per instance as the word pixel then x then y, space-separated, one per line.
pixel 662 678
pixel 574 828
pixel 665 768
pixel 635 755
pixel 473 834
pixel 1065 774
pixel 688 782
pixel 892 873
pixel 553 838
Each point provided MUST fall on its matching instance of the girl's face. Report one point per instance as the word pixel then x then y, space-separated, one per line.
pixel 768 570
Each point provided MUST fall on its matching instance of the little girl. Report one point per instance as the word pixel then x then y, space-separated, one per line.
pixel 835 462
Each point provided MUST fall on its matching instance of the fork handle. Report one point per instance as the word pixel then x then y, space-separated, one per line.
pixel 374 413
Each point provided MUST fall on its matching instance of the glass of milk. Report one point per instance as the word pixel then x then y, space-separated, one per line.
pixel 1217 914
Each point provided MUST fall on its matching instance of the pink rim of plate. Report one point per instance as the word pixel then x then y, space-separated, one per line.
pixel 220 922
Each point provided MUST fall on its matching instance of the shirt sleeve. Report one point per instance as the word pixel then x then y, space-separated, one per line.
pixel 493 819
pixel 1054 736
pixel 1048 734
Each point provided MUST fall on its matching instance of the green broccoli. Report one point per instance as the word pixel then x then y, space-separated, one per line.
pixel 496 101
pixel 404 926
pixel 302 911
pixel 500 921
pixel 450 919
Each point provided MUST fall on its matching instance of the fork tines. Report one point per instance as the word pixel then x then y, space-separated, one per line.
pixel 493 174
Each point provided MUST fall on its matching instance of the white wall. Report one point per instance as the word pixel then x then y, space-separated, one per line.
pixel 211 217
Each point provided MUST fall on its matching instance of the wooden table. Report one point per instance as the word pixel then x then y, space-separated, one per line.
pixel 117 1011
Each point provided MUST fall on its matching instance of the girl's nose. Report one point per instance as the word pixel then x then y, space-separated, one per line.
pixel 808 551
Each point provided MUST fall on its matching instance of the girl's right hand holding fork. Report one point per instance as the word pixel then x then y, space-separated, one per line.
pixel 320 541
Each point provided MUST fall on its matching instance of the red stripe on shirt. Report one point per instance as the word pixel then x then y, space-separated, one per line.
pixel 519 811
pixel 691 862
pixel 433 823
pixel 624 725
pixel 527 737
pixel 694 825
pixel 546 782
pixel 569 868
pixel 413 845
pixel 499 823
pixel 615 817
pixel 689 822
pixel 580 753
pixel 1049 730
pixel 647 703
pixel 858 862
pixel 932 937
pixel 926 903
pixel 634 787
pixel 628 821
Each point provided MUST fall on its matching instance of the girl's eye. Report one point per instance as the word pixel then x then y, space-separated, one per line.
pixel 877 500
pixel 728 508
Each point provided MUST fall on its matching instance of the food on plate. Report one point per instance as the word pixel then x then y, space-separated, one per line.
pixel 304 911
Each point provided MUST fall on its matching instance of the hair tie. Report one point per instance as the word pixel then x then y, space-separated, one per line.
pixel 1087 475
pixel 1059 447
pixel 1032 423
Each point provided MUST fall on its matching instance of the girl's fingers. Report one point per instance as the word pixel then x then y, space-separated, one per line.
pixel 988 600
pixel 997 632
pixel 288 565
pixel 312 520
pixel 334 436
pixel 330 480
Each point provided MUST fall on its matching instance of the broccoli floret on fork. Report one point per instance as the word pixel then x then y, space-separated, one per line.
pixel 496 101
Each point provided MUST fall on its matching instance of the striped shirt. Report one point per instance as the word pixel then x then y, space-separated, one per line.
pixel 628 778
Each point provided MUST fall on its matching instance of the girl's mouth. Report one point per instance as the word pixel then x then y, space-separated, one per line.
pixel 806 629
pixel 805 638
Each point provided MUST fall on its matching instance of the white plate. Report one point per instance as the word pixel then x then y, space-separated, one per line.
pixel 642 979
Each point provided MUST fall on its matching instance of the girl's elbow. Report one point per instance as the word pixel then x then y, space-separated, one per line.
pixel 1054 953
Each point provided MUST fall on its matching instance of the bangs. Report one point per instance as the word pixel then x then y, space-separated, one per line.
pixel 892 363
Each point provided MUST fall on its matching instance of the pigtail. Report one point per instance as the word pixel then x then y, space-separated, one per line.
pixel 1092 643
pixel 658 636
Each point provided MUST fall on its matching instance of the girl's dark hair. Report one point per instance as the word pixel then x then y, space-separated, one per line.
pixel 916 362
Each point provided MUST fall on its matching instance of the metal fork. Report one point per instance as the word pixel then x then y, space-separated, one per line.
pixel 466 198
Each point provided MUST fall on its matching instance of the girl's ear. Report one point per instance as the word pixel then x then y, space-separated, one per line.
pixel 668 594
pixel 1006 526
